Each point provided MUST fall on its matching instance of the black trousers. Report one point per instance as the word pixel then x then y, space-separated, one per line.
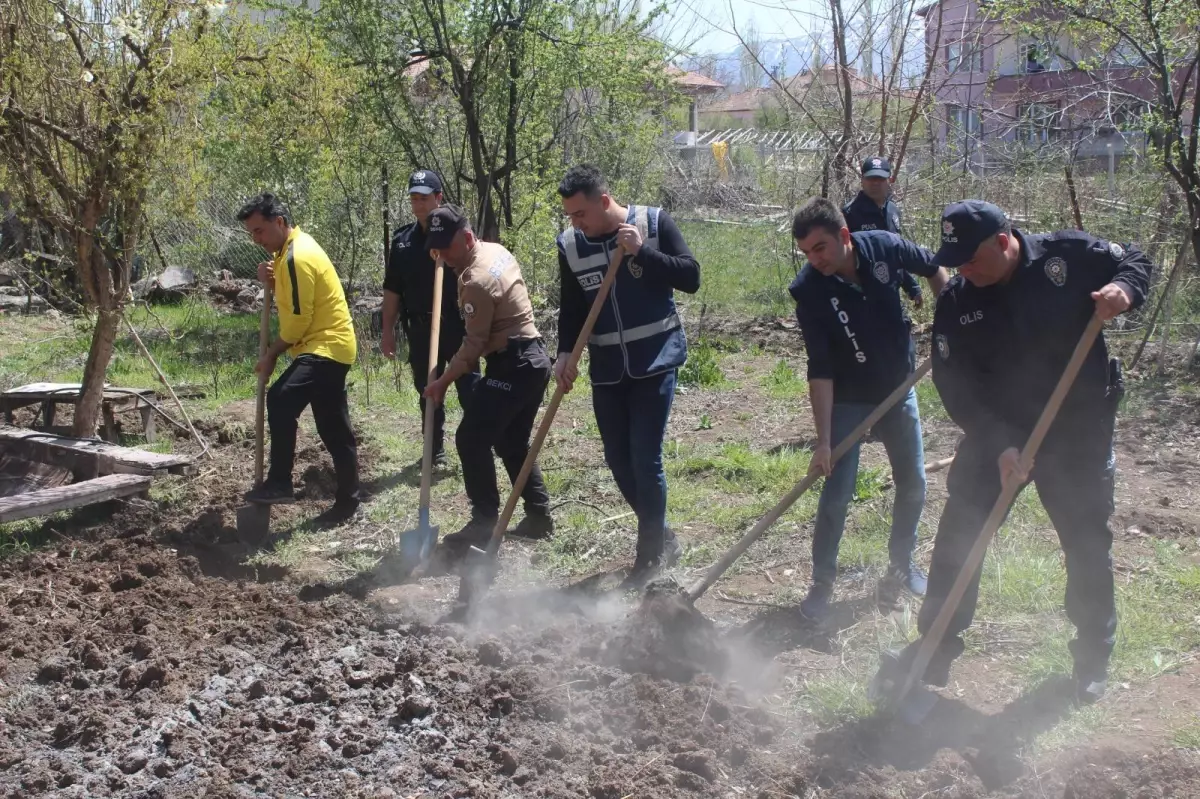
pixel 1074 474
pixel 418 359
pixel 320 382
pixel 500 416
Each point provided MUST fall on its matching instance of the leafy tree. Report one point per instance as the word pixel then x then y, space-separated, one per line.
pixel 90 96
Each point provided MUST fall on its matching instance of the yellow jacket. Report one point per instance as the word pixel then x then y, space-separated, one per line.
pixel 313 314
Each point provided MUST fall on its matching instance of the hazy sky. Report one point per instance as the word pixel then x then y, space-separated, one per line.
pixel 708 22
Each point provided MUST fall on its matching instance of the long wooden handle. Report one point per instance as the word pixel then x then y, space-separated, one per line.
pixel 260 405
pixel 435 329
pixel 933 638
pixel 737 550
pixel 614 265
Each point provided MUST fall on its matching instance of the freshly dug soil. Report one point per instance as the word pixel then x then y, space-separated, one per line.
pixel 124 671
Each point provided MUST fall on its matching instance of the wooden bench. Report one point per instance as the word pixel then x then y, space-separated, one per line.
pixel 116 400
pixel 75 495
pixel 87 458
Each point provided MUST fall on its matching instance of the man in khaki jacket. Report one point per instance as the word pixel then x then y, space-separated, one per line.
pixel 503 405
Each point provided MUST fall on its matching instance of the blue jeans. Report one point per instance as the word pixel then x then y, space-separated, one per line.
pixel 900 432
pixel 632 417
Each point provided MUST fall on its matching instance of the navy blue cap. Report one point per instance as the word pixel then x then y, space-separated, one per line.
pixel 878 167
pixel 424 181
pixel 966 225
pixel 444 223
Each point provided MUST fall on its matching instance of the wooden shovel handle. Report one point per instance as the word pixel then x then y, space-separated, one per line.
pixel 539 438
pixel 260 404
pixel 737 550
pixel 933 638
pixel 435 330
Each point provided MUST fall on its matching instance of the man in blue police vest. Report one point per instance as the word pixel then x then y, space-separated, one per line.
pixel 637 345
pixel 875 209
pixel 1003 330
pixel 857 345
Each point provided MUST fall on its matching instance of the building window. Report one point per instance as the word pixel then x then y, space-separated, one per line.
pixel 1037 123
pixel 1125 54
pixel 1039 57
pixel 964 57
pixel 963 121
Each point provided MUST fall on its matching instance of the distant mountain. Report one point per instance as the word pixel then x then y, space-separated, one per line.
pixel 785 56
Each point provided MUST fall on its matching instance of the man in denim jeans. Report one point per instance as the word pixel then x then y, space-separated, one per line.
pixel 636 347
pixel 857 344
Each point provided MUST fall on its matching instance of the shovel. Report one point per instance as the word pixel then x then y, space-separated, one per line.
pixel 479 571
pixel 254 518
pixel 754 533
pixel 910 702
pixel 417 545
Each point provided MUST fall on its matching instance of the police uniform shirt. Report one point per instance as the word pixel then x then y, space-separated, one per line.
pixel 863 213
pixel 856 335
pixel 409 275
pixel 1000 350
pixel 494 303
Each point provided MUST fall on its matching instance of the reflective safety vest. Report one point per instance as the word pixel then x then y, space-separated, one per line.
pixel 638 332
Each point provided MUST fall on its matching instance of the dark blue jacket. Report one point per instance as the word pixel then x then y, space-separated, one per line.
pixel 1000 350
pixel 638 332
pixel 409 274
pixel 862 213
pixel 857 335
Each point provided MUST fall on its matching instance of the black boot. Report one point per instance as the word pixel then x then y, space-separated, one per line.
pixel 536 526
pixel 1091 681
pixel 815 606
pixel 271 494
pixel 477 533
pixel 894 667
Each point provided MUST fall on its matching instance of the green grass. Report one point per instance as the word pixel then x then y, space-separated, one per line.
pixel 746 268
pixel 1187 737
pixel 782 382
pixel 703 367
pixel 929 402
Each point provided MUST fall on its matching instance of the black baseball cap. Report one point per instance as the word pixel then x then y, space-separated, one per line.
pixel 444 223
pixel 878 167
pixel 424 181
pixel 966 225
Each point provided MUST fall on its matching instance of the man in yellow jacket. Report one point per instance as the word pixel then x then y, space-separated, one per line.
pixel 316 330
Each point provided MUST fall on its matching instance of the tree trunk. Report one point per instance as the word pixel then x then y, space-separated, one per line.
pixel 87 408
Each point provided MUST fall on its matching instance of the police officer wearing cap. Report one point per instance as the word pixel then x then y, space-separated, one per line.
pixel 500 412
pixel 408 295
pixel 874 208
pixel 1004 329
pixel 857 344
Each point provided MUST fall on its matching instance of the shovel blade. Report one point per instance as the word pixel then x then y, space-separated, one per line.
pixel 253 523
pixel 417 545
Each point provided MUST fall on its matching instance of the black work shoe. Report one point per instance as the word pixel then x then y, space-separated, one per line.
pixel 644 570
pixel 340 513
pixel 440 462
pixel 1091 682
pixel 815 606
pixel 477 532
pixel 535 527
pixel 271 494
pixel 894 666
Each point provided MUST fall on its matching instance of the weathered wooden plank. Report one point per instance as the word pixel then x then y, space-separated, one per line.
pixel 84 454
pixel 76 495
